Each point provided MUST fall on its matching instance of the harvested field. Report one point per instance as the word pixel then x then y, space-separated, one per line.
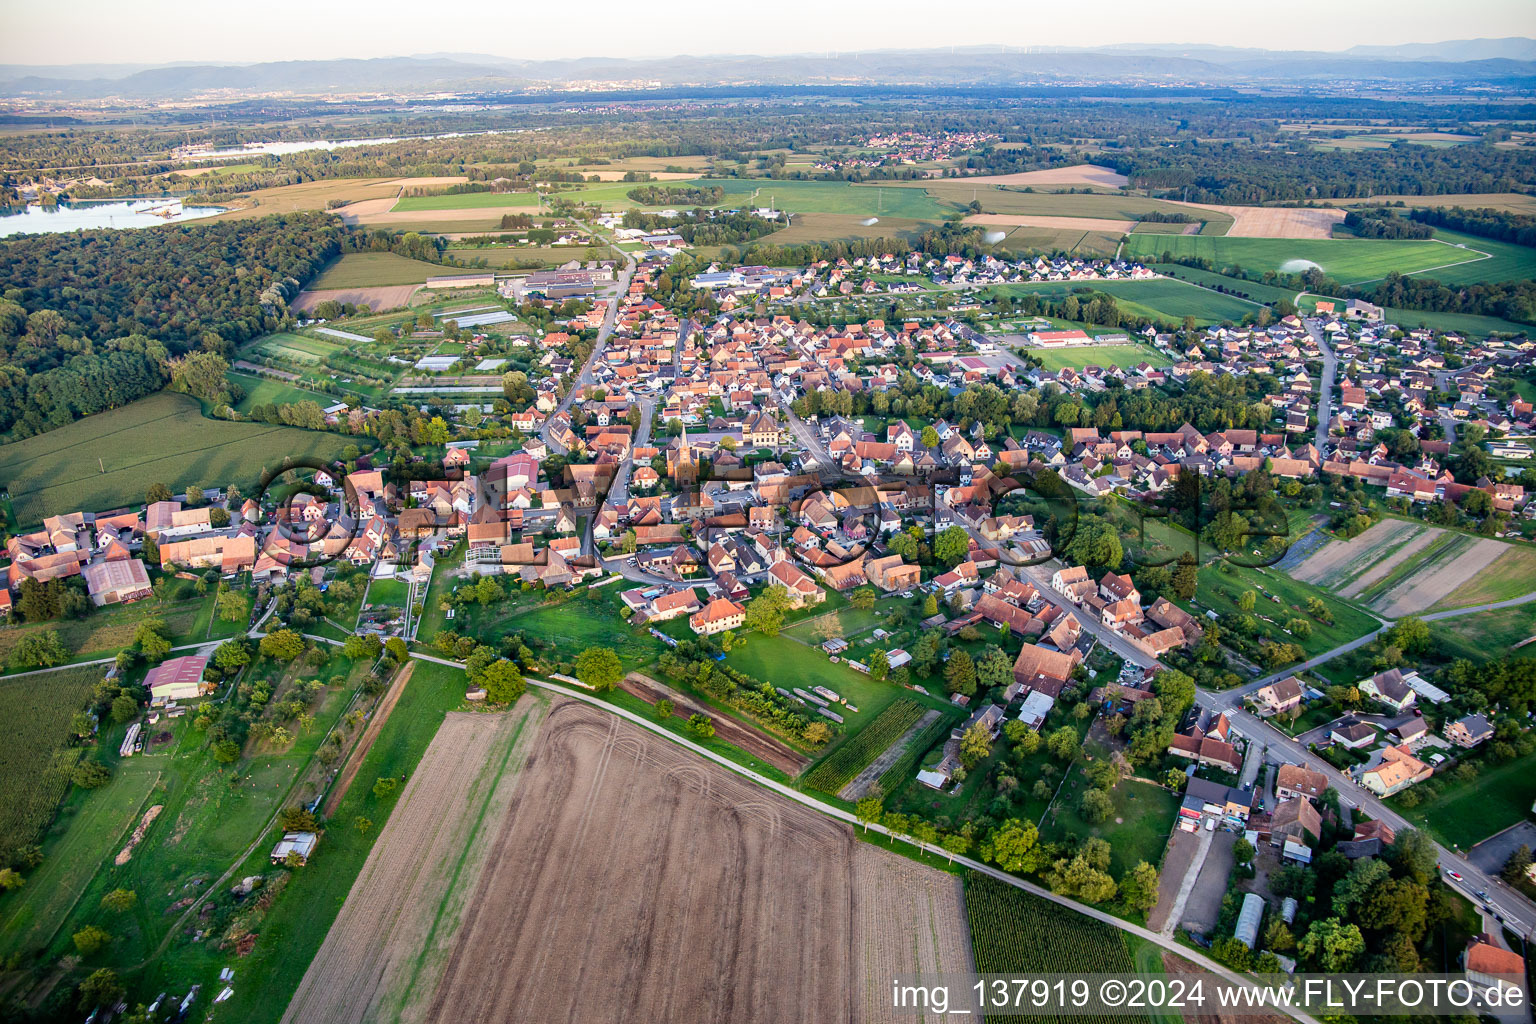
pixel 1339 563
pixel 1276 221
pixel 1454 565
pixel 608 174
pixel 1077 174
pixel 738 734
pixel 629 880
pixel 1506 202
pixel 1054 223
pixel 371 733
pixel 1417 541
pixel 861 782
pixel 402 911
pixel 377 299
pixel 895 896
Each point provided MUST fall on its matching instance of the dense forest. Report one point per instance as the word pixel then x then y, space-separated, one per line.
pixel 1504 227
pixel 705 227
pixel 1380 222
pixel 677 195
pixel 92 320
pixel 232 278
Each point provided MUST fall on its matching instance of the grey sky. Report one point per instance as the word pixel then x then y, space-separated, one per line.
pixel 153 31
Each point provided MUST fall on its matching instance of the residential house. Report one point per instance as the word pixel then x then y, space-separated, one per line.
pixel 718 616
pixel 1470 731
pixel 1393 770
pixel 1279 696
pixel 1389 688
pixel 1293 782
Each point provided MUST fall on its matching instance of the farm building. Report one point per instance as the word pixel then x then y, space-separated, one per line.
pixel 301 843
pixel 177 679
pixel 116 582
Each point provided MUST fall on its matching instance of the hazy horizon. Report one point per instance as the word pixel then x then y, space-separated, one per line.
pixel 151 32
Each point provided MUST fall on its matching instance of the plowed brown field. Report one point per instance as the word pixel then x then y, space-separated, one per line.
pixel 623 878
pixel 399 918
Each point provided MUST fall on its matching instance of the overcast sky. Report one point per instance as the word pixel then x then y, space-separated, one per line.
pixel 155 31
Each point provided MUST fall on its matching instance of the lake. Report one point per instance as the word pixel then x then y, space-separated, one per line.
pixel 287 148
pixel 118 213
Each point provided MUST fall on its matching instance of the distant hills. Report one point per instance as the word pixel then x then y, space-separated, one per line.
pixel 1470 61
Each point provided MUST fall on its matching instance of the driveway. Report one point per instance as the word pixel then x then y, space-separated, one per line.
pixel 1204 904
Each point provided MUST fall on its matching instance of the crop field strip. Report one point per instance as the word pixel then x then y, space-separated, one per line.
pixel 907 919
pixel 35 714
pixel 744 914
pixel 1452 564
pixel 1016 932
pixel 852 755
pixel 1421 548
pixel 870 775
pixel 468 201
pixel 902 768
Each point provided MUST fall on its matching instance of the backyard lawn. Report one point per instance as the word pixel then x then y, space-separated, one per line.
pixel 1468 812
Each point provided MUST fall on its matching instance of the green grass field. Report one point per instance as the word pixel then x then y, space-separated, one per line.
pixel 1483 636
pixel 1097 355
pixel 1348 260
pixel 827 197
pixel 1254 290
pixel 160 439
pixel 1218 591
pixel 368 269
pixel 295 348
pixel 789 663
pixel 1508 262
pixel 1137 831
pixel 467 201
pixel 1164 298
pixel 107 630
pixel 390 592
pixel 1095 205
pixel 265 391
pixel 1465 813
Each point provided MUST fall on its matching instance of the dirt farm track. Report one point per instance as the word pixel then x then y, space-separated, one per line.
pixel 613 876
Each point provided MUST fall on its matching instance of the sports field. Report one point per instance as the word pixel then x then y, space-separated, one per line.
pixel 363 269
pixel 1346 260
pixel 467 201
pixel 160 439
pixel 1164 298
pixel 1080 356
